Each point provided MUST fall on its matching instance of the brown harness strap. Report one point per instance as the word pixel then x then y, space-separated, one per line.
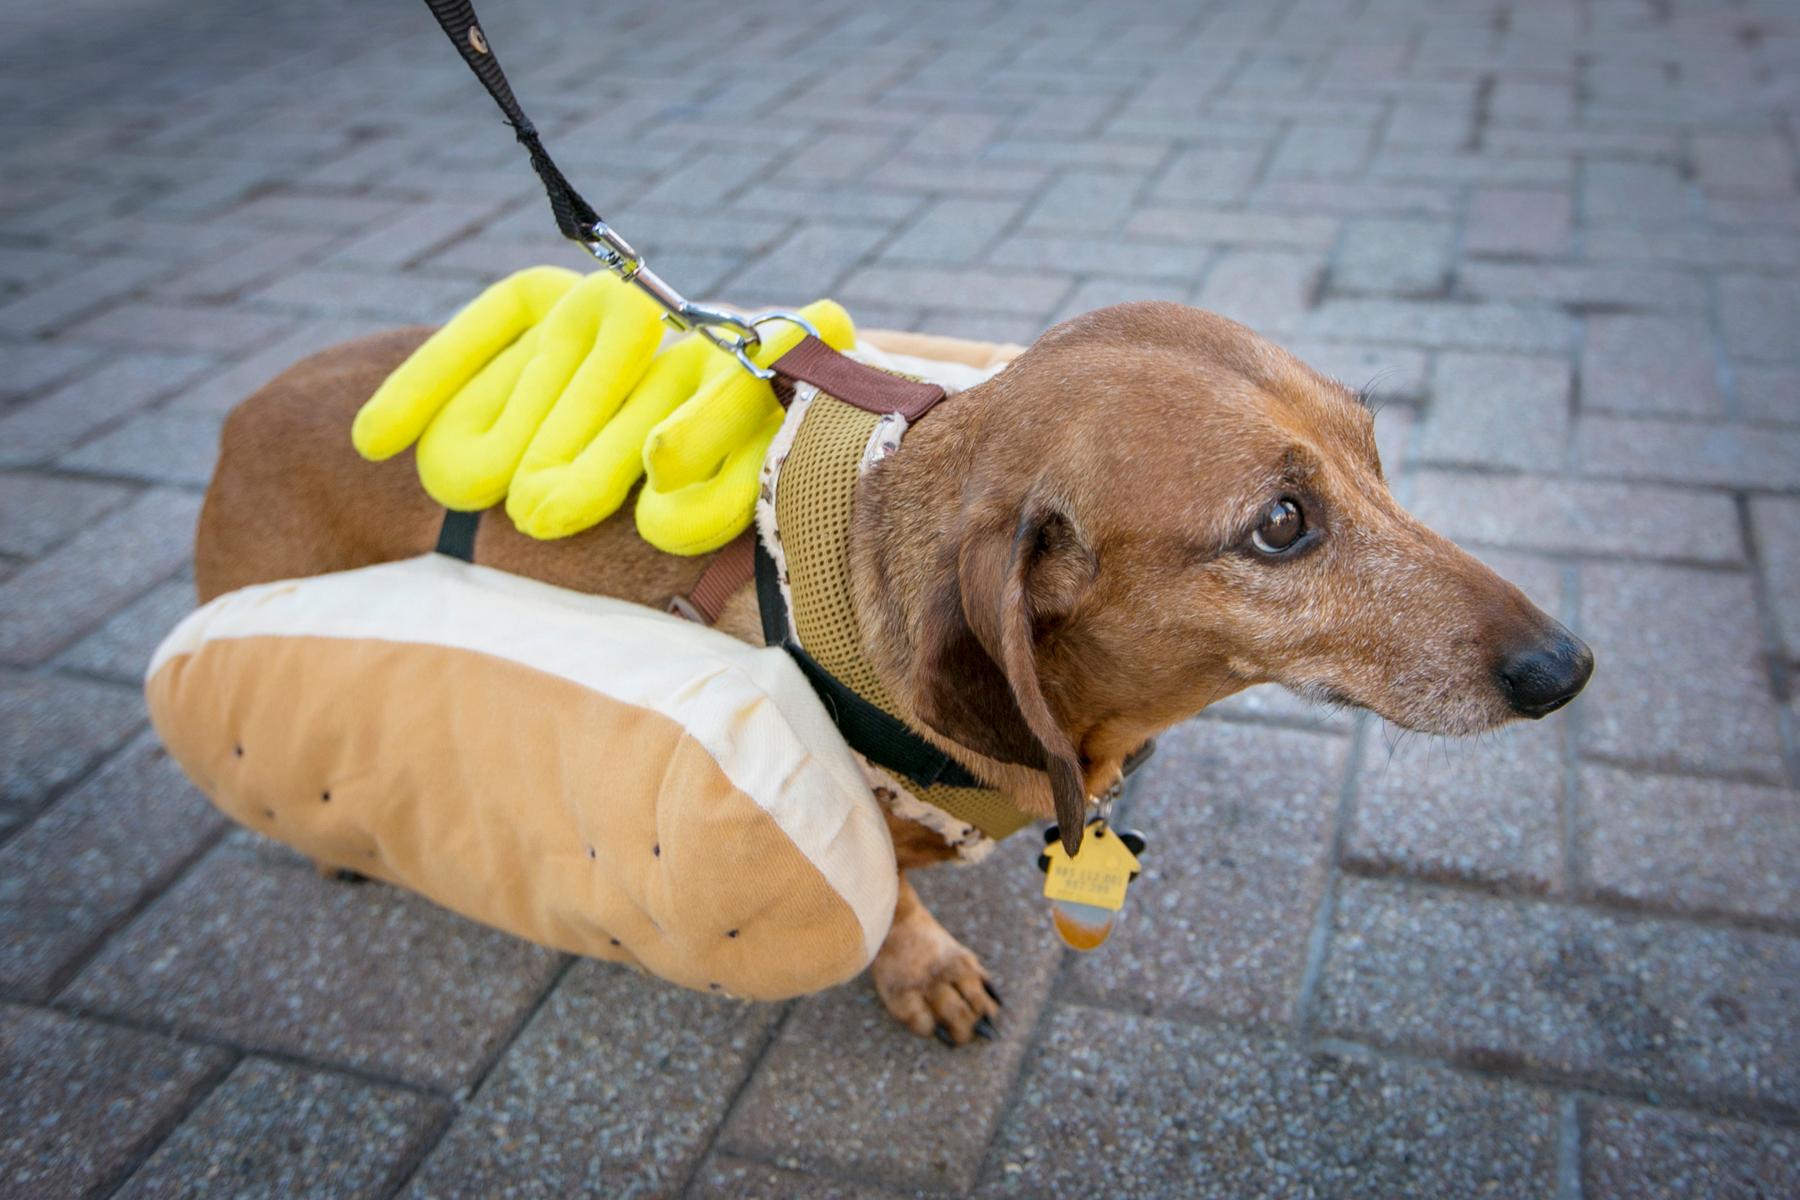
pixel 839 376
pixel 872 390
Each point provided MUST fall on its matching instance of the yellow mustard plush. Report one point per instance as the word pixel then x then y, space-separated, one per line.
pixel 548 391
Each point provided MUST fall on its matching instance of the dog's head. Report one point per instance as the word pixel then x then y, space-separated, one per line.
pixel 1162 508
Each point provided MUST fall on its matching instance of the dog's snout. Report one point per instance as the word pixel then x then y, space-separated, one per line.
pixel 1540 678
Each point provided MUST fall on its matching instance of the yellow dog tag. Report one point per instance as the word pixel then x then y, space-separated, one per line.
pixel 1087 891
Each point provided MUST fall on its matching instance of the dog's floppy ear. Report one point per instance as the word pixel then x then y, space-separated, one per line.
pixel 977 679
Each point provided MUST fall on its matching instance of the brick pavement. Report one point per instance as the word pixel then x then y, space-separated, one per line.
pixel 1562 239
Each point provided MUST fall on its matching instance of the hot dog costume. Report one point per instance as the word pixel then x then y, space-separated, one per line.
pixel 587 773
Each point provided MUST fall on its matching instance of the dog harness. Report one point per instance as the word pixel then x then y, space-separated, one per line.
pixel 808 608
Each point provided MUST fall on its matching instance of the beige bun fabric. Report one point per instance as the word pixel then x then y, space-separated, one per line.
pixel 583 772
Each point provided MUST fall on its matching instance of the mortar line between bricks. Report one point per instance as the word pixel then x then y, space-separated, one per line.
pixel 1781 685
pixel 1318 941
pixel 1614 907
pixel 156 890
pixel 1773 1114
pixel 166 1128
pixel 195 1037
pixel 1014 1095
pixel 1568 1149
pixel 1570 808
pixel 54 795
pixel 461 1099
pixel 708 1151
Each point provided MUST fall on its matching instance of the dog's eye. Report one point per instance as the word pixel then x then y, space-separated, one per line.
pixel 1281 527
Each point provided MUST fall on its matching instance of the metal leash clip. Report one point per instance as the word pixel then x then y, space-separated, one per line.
pixel 734 333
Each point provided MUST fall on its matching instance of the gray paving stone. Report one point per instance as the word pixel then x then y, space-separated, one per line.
pixel 35 432
pixel 614 1088
pixel 1213 175
pixel 1529 222
pixel 181 328
pixel 737 1179
pixel 1634 1152
pixel 79 1100
pixel 58 597
pixel 273 1130
pixel 1438 325
pixel 1744 163
pixel 1268 290
pixel 1234 227
pixel 1396 255
pixel 1121 1105
pixel 1638 193
pixel 1239 821
pixel 845 1088
pixel 1649 365
pixel 1759 315
pixel 1775 524
pixel 91 858
pixel 156 447
pixel 400 298
pixel 1681 681
pixel 275 957
pixel 38 511
pixel 1651 1005
pixel 1022 293
pixel 1579 516
pixel 1770 395
pixel 1498 410
pixel 52 729
pixel 1703 844
pixel 31 366
pixel 222 390
pixel 121 648
pixel 1583 286
pixel 953 231
pixel 1731 456
pixel 1487 811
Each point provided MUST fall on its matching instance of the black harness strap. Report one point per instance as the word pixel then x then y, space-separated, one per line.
pixel 574 216
pixel 877 734
pixel 456 536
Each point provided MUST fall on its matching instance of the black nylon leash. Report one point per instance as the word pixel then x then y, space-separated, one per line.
pixel 574 216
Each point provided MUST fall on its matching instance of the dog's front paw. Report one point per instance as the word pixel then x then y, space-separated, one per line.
pixel 934 985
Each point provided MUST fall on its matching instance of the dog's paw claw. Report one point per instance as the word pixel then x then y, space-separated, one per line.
pixel 993 992
pixel 935 987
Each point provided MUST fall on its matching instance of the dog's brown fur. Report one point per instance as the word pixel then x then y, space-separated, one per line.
pixel 1053 567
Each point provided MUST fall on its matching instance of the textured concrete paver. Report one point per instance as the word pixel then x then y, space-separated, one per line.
pixel 90 859
pixel 1120 1105
pixel 845 1087
pixel 1636 1002
pixel 1558 243
pixel 1491 812
pixel 1238 821
pixel 613 1087
pixel 1674 623
pixel 52 729
pixel 79 1101
pixel 1648 1155
pixel 363 976
pixel 1693 843
pixel 271 1130
pixel 47 604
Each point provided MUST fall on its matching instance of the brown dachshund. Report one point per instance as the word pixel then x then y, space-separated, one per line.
pixel 1152 508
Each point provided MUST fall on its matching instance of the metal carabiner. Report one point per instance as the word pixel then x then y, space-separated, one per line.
pixel 734 333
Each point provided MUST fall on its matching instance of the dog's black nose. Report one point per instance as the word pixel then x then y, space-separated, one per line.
pixel 1542 677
